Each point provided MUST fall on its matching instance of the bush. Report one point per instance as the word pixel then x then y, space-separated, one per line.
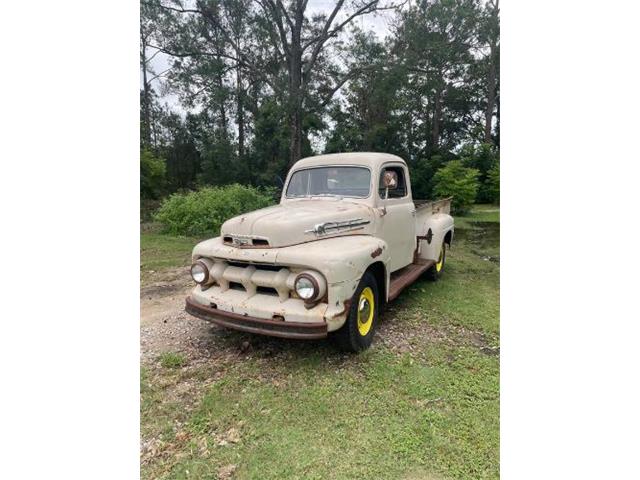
pixel 152 175
pixel 458 181
pixel 203 212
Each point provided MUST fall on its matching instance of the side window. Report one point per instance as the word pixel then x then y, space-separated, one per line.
pixel 401 188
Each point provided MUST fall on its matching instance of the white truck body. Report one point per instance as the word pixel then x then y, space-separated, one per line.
pixel 335 238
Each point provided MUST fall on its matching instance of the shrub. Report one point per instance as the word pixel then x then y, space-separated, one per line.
pixel 203 212
pixel 458 181
pixel 152 175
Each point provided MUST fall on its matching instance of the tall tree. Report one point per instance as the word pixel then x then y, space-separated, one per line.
pixel 490 35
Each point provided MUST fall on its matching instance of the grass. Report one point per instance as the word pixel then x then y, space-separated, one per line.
pixel 158 251
pixel 479 213
pixel 172 360
pixel 426 411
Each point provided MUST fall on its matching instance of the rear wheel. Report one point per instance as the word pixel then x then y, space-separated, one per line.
pixel 435 271
pixel 357 332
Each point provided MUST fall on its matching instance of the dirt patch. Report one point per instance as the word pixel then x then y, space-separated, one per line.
pixel 166 327
pixel 483 239
pixel 410 333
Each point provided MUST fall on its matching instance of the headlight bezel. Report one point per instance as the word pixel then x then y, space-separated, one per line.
pixel 314 283
pixel 204 266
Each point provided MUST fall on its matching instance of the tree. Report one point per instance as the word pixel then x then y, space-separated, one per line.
pixel 295 66
pixel 152 175
pixel 482 158
pixel 492 184
pixel 458 181
pixel 259 80
pixel 489 33
pixel 369 122
pixel 435 41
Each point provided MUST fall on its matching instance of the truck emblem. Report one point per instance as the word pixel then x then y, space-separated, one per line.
pixel 326 227
pixel 240 241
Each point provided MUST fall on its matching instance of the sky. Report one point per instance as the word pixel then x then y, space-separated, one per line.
pixel 378 23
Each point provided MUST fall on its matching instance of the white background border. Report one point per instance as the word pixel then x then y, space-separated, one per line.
pixel 69 352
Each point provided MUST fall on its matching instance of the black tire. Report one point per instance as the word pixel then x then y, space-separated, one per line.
pixel 350 336
pixel 435 272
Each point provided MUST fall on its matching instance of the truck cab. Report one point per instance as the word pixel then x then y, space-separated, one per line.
pixel 345 238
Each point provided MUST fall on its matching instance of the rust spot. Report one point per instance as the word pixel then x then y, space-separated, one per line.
pixel 376 253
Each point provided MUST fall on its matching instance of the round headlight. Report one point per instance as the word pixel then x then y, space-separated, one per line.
pixel 199 272
pixel 306 287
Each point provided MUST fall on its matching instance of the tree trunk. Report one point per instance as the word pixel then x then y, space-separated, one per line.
pixel 491 76
pixel 295 85
pixel 146 95
pixel 240 112
pixel 491 97
pixel 295 107
pixel 435 124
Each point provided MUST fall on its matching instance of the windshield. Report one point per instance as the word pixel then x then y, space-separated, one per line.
pixel 330 181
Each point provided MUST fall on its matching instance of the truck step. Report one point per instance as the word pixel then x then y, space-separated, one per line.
pixel 406 276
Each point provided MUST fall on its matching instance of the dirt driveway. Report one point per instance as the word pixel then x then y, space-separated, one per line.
pixel 166 327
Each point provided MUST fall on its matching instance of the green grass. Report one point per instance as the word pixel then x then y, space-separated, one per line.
pixel 158 251
pixel 479 213
pixel 172 360
pixel 426 412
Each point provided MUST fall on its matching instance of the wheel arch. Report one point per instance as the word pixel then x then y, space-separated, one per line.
pixel 448 238
pixel 379 272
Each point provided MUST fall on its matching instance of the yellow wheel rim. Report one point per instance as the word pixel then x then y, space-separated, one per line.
pixel 366 306
pixel 440 261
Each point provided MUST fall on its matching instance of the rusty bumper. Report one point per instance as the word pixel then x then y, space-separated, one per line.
pixel 256 325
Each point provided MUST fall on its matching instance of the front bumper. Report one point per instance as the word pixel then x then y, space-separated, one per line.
pixel 245 323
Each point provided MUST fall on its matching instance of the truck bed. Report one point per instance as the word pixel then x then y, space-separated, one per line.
pixel 429 207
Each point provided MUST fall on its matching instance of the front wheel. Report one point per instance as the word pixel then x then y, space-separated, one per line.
pixel 435 271
pixel 357 332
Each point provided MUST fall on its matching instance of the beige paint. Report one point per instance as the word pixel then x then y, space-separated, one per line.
pixel 386 232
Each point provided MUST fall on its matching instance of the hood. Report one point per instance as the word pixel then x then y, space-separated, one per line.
pixel 297 222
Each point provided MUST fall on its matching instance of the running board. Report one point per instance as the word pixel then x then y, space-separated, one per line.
pixel 404 277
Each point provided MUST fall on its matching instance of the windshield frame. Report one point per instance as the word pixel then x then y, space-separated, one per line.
pixel 326 195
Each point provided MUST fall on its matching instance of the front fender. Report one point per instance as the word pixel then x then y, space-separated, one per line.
pixel 343 261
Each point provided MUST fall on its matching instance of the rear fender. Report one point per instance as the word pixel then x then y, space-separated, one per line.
pixel 432 234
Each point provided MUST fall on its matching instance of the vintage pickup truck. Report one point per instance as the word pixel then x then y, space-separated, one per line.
pixel 346 238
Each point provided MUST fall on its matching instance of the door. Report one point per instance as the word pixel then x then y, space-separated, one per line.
pixel 397 226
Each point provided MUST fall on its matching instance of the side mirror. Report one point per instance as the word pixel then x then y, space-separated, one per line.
pixel 390 179
pixel 279 181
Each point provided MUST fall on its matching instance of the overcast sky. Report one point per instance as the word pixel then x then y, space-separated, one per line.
pixel 378 23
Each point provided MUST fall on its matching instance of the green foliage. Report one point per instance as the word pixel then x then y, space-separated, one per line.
pixel 492 184
pixel 483 158
pixel 152 174
pixel 172 360
pixel 203 212
pixel 454 179
pixel 422 173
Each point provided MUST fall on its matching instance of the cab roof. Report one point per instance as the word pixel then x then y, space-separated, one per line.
pixel 372 160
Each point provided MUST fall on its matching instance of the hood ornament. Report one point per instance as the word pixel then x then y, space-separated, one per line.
pixel 328 227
